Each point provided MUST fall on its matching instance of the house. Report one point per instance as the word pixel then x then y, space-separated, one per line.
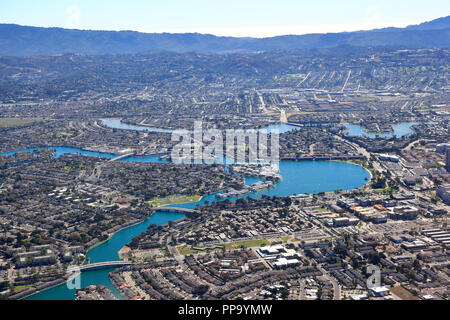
pixel 403 212
pixel 444 193
pixel 123 201
pixel 442 147
pixel 404 196
pixel 43 260
pixel 437 211
pixel 412 180
pixel 340 222
pixel 402 259
pixel 396 239
pixel 379 218
pixel 416 245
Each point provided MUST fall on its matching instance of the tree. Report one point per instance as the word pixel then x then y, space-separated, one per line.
pixel 201 290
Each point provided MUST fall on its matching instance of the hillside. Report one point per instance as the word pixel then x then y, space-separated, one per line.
pixel 18 40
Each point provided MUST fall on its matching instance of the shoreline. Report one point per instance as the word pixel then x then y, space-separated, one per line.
pixel 132 225
pixel 89 249
pixel 148 216
pixel 40 291
pixel 41 147
pixel 112 235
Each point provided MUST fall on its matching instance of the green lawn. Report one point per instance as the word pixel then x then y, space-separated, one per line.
pixel 183 250
pixel 16 122
pixel 174 199
pixel 247 244
pixel 17 288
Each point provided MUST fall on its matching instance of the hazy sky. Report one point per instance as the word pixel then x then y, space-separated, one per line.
pixel 256 18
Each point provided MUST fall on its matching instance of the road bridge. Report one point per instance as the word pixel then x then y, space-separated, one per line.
pixel 174 209
pixel 122 157
pixel 104 265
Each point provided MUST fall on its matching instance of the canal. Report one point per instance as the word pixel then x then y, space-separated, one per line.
pixel 298 177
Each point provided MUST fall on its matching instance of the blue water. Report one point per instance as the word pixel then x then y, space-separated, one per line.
pixel 118 124
pixel 61 292
pixel 304 177
pixel 399 130
pixel 64 150
pixel 108 251
pixel 298 177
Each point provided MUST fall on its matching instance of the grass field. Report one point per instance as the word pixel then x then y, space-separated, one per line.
pixel 247 244
pixel 403 294
pixel 185 251
pixel 174 199
pixel 16 122
pixel 17 288
pixel 228 246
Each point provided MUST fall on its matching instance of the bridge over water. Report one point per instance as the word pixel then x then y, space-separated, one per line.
pixel 122 157
pixel 104 265
pixel 174 209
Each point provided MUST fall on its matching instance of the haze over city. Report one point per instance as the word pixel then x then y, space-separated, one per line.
pixel 250 18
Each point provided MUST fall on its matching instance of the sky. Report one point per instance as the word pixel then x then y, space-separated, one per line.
pixel 253 18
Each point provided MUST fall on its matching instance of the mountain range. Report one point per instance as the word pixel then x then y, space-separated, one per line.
pixel 16 40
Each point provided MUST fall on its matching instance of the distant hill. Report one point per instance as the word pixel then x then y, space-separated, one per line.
pixel 437 24
pixel 18 40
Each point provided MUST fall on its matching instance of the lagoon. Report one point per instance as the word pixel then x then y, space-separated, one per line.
pixel 298 177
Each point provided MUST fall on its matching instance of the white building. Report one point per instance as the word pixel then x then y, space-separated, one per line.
pixel 380 291
pixel 282 263
pixel 272 250
pixel 387 157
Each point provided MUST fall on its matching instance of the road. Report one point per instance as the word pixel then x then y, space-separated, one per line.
pixel 301 82
pixel 346 81
pixel 362 151
pixel 283 117
pixel 336 287
pixel 409 146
